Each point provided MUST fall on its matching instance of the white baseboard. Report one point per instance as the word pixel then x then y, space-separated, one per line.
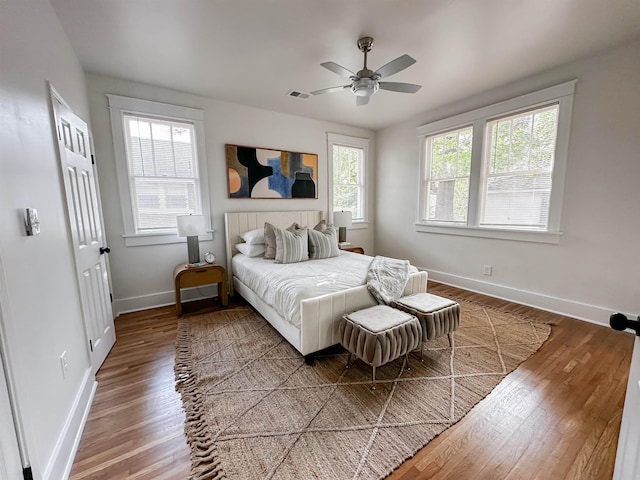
pixel 59 466
pixel 161 299
pixel 581 311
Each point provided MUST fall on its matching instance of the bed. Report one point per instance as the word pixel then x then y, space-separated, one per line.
pixel 314 325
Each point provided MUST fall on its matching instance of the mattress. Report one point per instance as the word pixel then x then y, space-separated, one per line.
pixel 284 286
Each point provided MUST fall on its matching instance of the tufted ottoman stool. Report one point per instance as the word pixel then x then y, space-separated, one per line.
pixel 438 316
pixel 378 335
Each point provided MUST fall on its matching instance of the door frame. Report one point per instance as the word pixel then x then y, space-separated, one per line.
pixel 627 464
pixel 6 365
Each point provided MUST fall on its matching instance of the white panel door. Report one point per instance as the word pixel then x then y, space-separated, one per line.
pixel 627 465
pixel 85 222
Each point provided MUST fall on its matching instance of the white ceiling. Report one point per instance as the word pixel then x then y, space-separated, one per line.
pixel 253 52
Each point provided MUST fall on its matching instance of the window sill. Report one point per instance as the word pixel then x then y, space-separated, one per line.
pixel 142 239
pixel 502 234
pixel 358 225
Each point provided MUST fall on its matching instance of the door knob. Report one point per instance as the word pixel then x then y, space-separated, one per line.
pixel 104 250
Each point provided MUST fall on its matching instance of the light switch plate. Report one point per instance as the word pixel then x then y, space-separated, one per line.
pixel 32 222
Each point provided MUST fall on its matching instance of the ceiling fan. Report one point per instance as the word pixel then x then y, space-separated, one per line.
pixel 366 82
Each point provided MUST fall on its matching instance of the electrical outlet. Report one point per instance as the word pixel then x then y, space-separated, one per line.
pixel 64 363
pixel 488 270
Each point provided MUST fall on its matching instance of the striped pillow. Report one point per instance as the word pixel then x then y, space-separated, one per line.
pixel 323 243
pixel 270 239
pixel 291 247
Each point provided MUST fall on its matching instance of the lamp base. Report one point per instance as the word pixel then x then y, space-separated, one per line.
pixel 342 234
pixel 193 248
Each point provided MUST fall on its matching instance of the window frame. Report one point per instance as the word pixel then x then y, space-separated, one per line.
pixel 561 94
pixel 118 107
pixel 334 139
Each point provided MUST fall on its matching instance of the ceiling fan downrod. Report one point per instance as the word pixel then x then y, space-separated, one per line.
pixel 365 44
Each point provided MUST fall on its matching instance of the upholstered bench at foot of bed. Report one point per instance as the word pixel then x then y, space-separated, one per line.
pixel 378 335
pixel 438 316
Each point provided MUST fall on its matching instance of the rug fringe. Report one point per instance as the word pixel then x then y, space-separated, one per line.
pixel 205 464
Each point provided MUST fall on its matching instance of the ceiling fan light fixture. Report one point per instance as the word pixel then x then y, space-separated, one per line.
pixel 365 87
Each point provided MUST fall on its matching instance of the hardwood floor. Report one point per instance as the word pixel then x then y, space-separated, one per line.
pixel 555 417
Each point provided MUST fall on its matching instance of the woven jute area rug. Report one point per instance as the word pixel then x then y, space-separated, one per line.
pixel 255 410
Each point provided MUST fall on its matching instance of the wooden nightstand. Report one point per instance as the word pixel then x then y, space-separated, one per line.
pixel 186 276
pixel 359 250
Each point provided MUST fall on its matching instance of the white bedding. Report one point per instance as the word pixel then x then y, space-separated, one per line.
pixel 283 286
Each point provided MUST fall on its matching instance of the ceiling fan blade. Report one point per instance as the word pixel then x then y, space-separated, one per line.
pixel 339 69
pixel 394 66
pixel 400 87
pixel 362 101
pixel 330 89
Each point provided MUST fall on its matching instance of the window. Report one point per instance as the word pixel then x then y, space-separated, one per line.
pixel 519 165
pixel 348 186
pixel 163 172
pixel 160 161
pixel 498 171
pixel 449 169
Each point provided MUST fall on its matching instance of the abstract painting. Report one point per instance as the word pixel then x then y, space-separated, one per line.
pixel 266 173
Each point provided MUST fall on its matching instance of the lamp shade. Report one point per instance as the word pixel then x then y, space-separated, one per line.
pixel 191 225
pixel 342 219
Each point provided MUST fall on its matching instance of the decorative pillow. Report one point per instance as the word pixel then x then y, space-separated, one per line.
pixel 321 226
pixel 291 246
pixel 270 239
pixel 323 243
pixel 255 250
pixel 253 237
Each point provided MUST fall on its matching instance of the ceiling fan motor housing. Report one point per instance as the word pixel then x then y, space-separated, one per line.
pixel 365 87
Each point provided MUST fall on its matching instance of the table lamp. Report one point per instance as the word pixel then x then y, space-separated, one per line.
pixel 342 220
pixel 191 226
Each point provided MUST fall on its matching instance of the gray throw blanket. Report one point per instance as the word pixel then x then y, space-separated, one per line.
pixel 386 278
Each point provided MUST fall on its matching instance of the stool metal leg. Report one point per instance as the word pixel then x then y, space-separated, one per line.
pixel 450 340
pixel 373 379
pixel 422 351
pixel 348 360
pixel 407 359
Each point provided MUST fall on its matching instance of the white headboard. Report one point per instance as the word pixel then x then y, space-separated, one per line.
pixel 236 223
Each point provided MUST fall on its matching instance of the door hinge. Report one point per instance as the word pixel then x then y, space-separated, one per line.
pixel 59 134
pixel 27 474
pixel 91 345
pixel 111 297
pixel 93 159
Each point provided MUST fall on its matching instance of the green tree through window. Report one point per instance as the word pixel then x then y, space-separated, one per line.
pixel 348 184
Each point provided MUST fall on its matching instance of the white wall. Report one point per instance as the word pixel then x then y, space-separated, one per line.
pixel 595 270
pixel 40 302
pixel 142 276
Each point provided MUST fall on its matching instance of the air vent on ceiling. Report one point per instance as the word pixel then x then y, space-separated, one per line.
pixel 295 93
